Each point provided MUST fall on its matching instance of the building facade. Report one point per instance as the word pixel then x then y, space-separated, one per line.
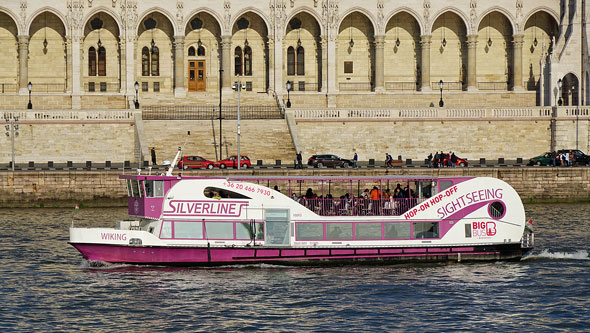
pixel 78 48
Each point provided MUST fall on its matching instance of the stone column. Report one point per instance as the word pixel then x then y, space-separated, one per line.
pixel 226 62
pixel 471 62
pixel 76 60
pixel 69 68
pixel 179 90
pixel 517 44
pixel 279 85
pixel 425 42
pixel 272 68
pixel 332 73
pixel 23 61
pixel 122 66
pixel 324 67
pixel 130 62
pixel 379 63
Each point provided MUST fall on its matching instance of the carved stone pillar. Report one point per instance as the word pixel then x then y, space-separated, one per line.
pixel 379 63
pixel 517 44
pixel 272 67
pixel 23 62
pixel 471 62
pixel 226 62
pixel 324 67
pixel 425 42
pixel 69 67
pixel 179 89
pixel 130 62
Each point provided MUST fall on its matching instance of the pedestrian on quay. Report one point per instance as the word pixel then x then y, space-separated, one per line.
pixel 429 161
pixel 436 158
pixel 153 152
pixel 355 160
pixel 299 161
pixel 388 161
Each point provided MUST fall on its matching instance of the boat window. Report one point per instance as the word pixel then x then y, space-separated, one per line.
pixel 397 230
pixel 245 231
pixel 426 230
pixel 467 230
pixel 219 230
pixel 445 184
pixel 496 210
pixel 129 191
pixel 310 231
pixel 135 188
pixel 223 193
pixel 424 188
pixel 166 230
pixel 368 231
pixel 339 230
pixel 185 229
pixel 154 188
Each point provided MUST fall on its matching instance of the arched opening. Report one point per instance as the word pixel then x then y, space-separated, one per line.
pixel 304 69
pixel 300 61
pixel 250 34
pixel 494 53
pixel 238 56
pixel 101 33
pixel 570 90
pixel 92 61
pixel 102 61
pixel 191 51
pixel 156 33
pixel 9 64
pixel 290 61
pixel 203 34
pixel 47 54
pixel 355 53
pixel 402 53
pixel 448 55
pixel 539 32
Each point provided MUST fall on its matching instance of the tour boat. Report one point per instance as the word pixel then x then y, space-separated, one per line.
pixel 311 220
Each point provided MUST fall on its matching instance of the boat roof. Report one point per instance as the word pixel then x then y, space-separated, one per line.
pixel 298 178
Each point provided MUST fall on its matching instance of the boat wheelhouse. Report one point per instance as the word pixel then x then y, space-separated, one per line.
pixel 178 220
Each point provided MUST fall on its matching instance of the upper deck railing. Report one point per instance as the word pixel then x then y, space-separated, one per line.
pixel 360 206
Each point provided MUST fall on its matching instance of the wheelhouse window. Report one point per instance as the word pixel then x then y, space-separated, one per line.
pixel 134 188
pixel 338 231
pixel 397 231
pixel 238 61
pixel 154 188
pixel 368 230
pixel 102 61
pixel 92 61
pixel 166 231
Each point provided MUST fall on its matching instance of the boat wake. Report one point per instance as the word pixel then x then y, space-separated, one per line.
pixel 91 264
pixel 546 254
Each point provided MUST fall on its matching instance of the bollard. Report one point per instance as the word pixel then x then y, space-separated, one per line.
pixel 146 164
pixel 372 162
pixel 127 164
pixel 259 163
pixel 31 164
pixel 519 160
pixel 70 164
pixel 501 160
pixel 50 164
pixel 277 163
pixel 88 164
pixel 482 161
pixel 408 161
pixel 107 164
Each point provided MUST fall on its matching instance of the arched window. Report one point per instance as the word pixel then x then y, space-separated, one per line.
pixel 290 61
pixel 247 61
pixel 155 61
pixel 238 61
pixel 201 51
pixel 92 61
pixel 102 61
pixel 145 61
pixel 191 51
pixel 300 61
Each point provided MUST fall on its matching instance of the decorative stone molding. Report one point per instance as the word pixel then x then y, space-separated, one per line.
pixel 426 15
pixel 473 15
pixel 518 22
pixel 227 15
pixel 179 12
pixel 380 17
pixel 23 14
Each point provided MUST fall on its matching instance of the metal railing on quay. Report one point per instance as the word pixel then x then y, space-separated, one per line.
pixel 401 86
pixel 355 86
pixel 8 88
pixel 206 112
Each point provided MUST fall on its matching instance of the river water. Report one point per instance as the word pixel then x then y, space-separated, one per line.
pixel 46 285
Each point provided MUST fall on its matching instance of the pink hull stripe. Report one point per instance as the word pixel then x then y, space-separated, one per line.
pixel 162 255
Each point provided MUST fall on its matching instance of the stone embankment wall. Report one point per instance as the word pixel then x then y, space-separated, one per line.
pixel 104 188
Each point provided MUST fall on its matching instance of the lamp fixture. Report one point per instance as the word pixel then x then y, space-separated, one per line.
pixel 535 42
pixel 299 42
pixel 45 43
pixel 397 41
pixel 489 36
pixel 199 42
pixel 444 40
pixel 351 43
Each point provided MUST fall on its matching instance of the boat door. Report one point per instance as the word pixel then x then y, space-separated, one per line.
pixel 276 229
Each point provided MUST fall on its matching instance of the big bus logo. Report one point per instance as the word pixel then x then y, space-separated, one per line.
pixel 483 229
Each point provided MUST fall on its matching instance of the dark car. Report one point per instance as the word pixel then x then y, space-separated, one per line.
pixel 462 162
pixel 543 159
pixel 579 158
pixel 328 160
pixel 231 162
pixel 195 162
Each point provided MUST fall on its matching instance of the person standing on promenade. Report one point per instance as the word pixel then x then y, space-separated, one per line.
pixel 153 152
pixel 355 160
pixel 299 161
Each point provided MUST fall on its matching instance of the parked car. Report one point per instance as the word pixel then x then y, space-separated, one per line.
pixel 231 162
pixel 579 157
pixel 543 159
pixel 462 162
pixel 195 162
pixel 329 160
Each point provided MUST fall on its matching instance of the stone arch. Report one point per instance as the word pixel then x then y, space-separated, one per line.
pixel 108 11
pixel 209 37
pixel 448 56
pixel 255 53
pixel 494 51
pixel 570 89
pixel 410 12
pixel 307 10
pixel 355 53
pixel 205 10
pixel 537 30
pixel 545 9
pixel 362 11
pixel 500 10
pixel 14 18
pixel 305 57
pixel 402 56
pixel 9 66
pixel 455 11
pixel 52 11
pixel 162 12
pixel 253 10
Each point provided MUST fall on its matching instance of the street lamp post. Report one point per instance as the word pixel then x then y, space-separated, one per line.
pixel 238 87
pixel 12 131
pixel 289 86
pixel 136 85
pixel 559 83
pixel 30 87
pixel 441 103
pixel 577 114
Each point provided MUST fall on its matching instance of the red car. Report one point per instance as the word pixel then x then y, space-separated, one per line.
pixel 195 162
pixel 231 162
pixel 462 162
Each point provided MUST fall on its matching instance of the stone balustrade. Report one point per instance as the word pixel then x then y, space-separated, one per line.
pixel 121 115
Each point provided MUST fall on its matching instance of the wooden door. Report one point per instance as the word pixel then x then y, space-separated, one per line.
pixel 192 75
pixel 201 83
